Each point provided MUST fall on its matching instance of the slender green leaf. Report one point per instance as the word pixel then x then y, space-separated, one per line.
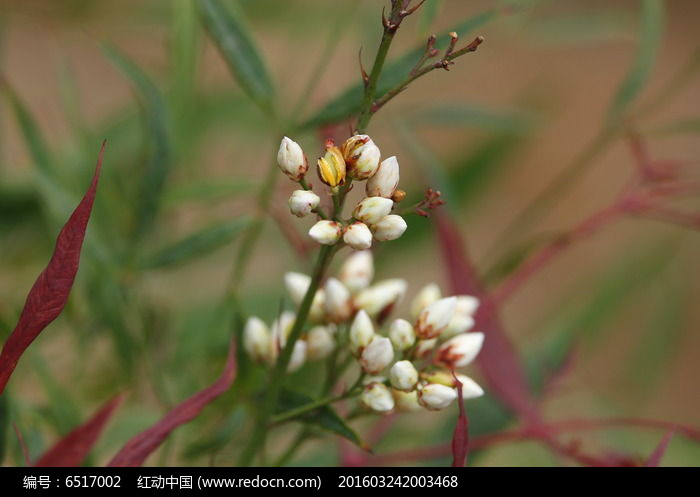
pixel 689 125
pixel 33 137
pixel 197 244
pixel 228 31
pixel 348 102
pixel 208 191
pixel 516 256
pixel 19 206
pixel 466 177
pixel 650 37
pixel 157 119
pixel 583 27
pixel 323 417
pixel 184 46
pixel 220 438
pixel 457 114
pixel 659 339
pixel 428 13
pixel 610 291
pixel 62 409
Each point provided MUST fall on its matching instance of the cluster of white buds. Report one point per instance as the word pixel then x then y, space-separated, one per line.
pixel 357 159
pixel 409 366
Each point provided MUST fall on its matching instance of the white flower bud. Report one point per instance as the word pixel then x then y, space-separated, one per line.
pixel 389 227
pixel 429 293
pixel 406 401
pixel 403 376
pixel 361 332
pixel 434 396
pixel 380 296
pixel 466 305
pixel 435 318
pixel 338 301
pixel 424 348
pixel 302 202
pixel 401 334
pixel 463 318
pixel 319 343
pixel 281 328
pixel 377 355
pixel 361 156
pixel 458 324
pixel 297 285
pixel 256 339
pixel 460 350
pixel 470 388
pixel 317 313
pixel 325 232
pixel 357 271
pixel 385 180
pixel 372 209
pixel 377 397
pixel 358 236
pixel 291 160
pixel 298 356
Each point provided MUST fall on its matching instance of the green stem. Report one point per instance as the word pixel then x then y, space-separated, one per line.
pixel 371 87
pixel 279 372
pixel 293 413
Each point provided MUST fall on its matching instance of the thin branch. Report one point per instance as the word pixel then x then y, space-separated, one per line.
pixel 443 63
pixel 399 10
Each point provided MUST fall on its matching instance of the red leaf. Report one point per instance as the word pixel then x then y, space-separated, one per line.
pixel 460 437
pixel 498 359
pixel 71 450
pixel 49 295
pixel 136 450
pixel 656 456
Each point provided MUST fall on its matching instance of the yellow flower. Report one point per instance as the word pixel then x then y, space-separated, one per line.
pixel 331 167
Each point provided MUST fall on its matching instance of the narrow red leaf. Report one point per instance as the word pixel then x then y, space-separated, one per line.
pixel 498 359
pixel 49 295
pixel 72 449
pixel 136 450
pixel 658 454
pixel 460 437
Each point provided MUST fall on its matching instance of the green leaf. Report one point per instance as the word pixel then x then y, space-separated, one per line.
pixel 228 31
pixel 348 103
pixel 208 191
pixel 659 339
pixel 509 262
pixel 607 294
pixel 36 143
pixel 157 119
pixel 62 409
pixel 689 125
pixel 184 46
pixel 650 37
pixel 324 417
pixel 197 244
pixel 427 15
pixel 458 114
